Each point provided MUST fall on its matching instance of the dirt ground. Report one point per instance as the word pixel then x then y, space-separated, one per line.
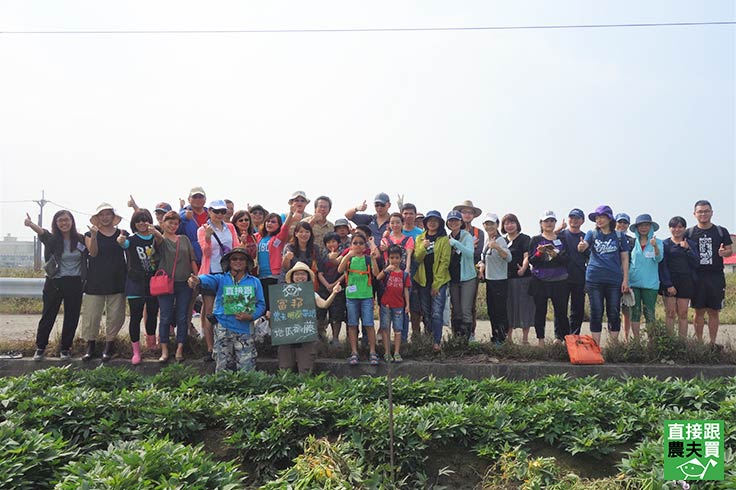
pixel 23 327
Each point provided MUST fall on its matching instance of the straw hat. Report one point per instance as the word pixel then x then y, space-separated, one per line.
pixel 468 204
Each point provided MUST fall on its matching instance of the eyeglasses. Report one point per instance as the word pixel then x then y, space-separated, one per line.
pixel 243 220
pixel 237 258
pixel 706 211
pixel 219 211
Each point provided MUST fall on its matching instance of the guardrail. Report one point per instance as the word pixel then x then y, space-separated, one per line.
pixel 21 287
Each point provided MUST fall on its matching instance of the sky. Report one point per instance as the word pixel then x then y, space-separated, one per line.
pixel 642 119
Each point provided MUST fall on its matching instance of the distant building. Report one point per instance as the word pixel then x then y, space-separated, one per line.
pixel 14 253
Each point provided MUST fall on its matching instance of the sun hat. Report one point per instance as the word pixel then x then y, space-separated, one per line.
pixel 644 218
pixel 299 266
pixel 102 207
pixel 225 260
pixel 548 214
pixel 434 214
pixel 257 207
pixel 342 222
pixel 468 204
pixel 604 210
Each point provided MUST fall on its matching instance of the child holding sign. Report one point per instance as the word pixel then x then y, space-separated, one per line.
pixel 238 301
pixel 302 355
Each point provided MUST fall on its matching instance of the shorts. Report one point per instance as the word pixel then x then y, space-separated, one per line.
pixel 360 309
pixel 684 284
pixel 391 316
pixel 710 291
pixel 336 310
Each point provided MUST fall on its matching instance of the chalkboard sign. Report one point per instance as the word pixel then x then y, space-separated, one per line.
pixel 293 313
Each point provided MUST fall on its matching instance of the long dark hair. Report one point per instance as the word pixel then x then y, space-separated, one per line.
pixel 242 214
pixel 74 236
pixel 264 233
pixel 302 225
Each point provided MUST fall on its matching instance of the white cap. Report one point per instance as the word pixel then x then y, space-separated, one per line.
pixel 548 214
pixel 490 217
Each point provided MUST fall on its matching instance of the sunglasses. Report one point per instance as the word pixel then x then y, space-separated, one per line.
pixel 219 211
pixel 300 200
pixel 243 220
pixel 198 196
pixel 379 205
pixel 237 258
pixel 358 243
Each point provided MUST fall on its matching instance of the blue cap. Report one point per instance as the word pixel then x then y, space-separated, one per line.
pixel 454 215
pixel 576 213
pixel 381 197
pixel 623 217
pixel 218 204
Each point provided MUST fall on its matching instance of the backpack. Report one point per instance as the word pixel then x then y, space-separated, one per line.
pixel 367 271
pixel 689 232
pixel 401 244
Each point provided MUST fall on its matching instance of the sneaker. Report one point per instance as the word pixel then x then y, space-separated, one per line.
pixel 334 343
pixel 387 357
pixel 65 355
pixel 471 338
pixel 38 356
pixel 208 357
pixel 398 358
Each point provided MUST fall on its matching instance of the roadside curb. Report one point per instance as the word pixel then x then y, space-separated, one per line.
pixel 412 369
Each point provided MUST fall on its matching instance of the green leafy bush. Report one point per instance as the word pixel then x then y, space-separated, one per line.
pixel 30 459
pixel 139 465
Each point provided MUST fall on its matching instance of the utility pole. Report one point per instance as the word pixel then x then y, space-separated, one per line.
pixel 37 253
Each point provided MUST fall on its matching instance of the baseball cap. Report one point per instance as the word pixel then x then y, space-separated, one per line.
pixel 382 197
pixel 490 217
pixel 576 213
pixel 454 215
pixel 217 204
pixel 548 214
pixel 163 207
pixel 197 190
pixel 623 217
pixel 297 194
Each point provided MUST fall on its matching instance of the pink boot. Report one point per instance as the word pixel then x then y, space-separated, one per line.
pixel 136 359
pixel 150 342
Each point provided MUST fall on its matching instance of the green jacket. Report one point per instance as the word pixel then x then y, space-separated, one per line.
pixel 441 266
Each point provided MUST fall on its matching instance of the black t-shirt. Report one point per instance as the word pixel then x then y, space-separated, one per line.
pixel 455 264
pixel 141 257
pixel 106 272
pixel 709 241
pixel 578 261
pixel 518 247
pixel 429 259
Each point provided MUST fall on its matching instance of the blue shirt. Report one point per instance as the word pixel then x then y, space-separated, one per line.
pixel 218 282
pixel 604 266
pixel 264 266
pixel 576 266
pixel 412 233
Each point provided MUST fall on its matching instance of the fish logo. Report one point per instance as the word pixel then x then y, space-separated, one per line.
pixel 690 468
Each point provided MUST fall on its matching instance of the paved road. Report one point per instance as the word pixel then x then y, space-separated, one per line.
pixel 23 327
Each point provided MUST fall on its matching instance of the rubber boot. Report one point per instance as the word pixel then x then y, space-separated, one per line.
pixel 136 359
pixel 107 351
pixel 90 353
pixel 150 342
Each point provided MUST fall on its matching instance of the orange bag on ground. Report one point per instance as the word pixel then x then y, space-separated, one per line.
pixel 582 349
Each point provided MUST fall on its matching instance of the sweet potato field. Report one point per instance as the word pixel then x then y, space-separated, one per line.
pixel 115 429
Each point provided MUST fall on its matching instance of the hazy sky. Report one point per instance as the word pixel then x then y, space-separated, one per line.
pixel 518 121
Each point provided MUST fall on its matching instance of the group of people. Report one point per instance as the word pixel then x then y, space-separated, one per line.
pixel 406 262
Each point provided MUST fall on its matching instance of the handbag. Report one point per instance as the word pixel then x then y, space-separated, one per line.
pixel 161 283
pixel 51 267
pixel 582 349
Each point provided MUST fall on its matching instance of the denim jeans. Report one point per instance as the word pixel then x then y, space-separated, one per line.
pixel 462 297
pixel 433 309
pixel 360 309
pixel 168 303
pixel 393 316
pixel 611 294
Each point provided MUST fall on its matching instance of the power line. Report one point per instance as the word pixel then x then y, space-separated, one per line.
pixel 68 208
pixel 13 202
pixel 376 29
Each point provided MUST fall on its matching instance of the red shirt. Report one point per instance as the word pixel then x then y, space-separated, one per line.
pixel 393 293
pixel 201 218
